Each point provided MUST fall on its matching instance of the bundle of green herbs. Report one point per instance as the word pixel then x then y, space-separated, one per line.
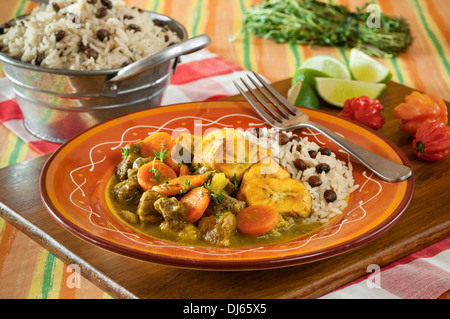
pixel 325 24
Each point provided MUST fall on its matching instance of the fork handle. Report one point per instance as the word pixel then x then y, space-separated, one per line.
pixel 384 168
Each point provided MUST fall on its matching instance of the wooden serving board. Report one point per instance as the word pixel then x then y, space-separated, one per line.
pixel 425 222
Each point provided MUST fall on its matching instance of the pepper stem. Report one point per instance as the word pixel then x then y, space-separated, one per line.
pixel 420 147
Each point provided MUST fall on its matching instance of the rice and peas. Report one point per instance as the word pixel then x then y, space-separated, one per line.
pixel 84 35
pixel 337 177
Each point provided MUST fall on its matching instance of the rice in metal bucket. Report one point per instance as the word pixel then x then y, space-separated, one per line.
pixel 84 35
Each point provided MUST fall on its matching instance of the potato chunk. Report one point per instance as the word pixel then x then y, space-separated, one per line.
pixel 220 183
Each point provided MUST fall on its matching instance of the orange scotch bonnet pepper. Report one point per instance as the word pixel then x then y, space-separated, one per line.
pixel 419 109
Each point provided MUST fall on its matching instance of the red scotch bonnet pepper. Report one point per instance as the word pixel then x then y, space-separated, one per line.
pixel 364 110
pixel 432 141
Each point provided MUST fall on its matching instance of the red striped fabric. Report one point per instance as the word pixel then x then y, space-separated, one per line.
pixel 424 274
pixel 195 70
pixel 43 147
pixel 10 110
pixel 11 116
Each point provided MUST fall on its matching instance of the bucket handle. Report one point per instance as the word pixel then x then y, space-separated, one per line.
pixel 111 86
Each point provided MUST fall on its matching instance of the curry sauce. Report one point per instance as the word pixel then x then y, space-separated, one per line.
pixel 298 227
pixel 231 193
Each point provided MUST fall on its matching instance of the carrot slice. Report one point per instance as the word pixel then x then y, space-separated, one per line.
pixel 184 170
pixel 257 220
pixel 196 201
pixel 154 173
pixel 160 143
pixel 173 165
pixel 156 143
pixel 180 184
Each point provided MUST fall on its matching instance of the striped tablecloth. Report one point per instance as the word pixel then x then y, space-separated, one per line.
pixel 424 67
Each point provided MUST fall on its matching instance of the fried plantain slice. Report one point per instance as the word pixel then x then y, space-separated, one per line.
pixel 287 195
pixel 268 167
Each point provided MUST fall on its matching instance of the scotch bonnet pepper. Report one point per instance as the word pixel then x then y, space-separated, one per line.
pixel 432 142
pixel 364 110
pixel 419 109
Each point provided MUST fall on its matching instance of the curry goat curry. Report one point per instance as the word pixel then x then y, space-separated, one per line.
pixel 219 190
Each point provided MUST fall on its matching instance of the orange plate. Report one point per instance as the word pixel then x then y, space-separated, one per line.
pixel 74 179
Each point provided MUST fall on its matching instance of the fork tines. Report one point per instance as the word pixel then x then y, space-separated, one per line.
pixel 272 106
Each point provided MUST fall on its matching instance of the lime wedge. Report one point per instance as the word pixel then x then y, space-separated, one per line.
pixel 329 65
pixel 366 68
pixel 337 91
pixel 301 94
pixel 308 76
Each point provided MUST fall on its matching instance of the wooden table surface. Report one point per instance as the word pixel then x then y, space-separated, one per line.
pixel 425 67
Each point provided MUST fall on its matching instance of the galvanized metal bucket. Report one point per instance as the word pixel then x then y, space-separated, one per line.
pixel 58 104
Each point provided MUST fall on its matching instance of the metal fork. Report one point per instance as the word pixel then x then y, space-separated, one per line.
pixel 284 116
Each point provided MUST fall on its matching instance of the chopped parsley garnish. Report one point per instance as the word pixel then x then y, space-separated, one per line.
pixel 125 151
pixel 218 215
pixel 187 182
pixel 194 167
pixel 235 181
pixel 161 155
pixel 156 172
pixel 215 197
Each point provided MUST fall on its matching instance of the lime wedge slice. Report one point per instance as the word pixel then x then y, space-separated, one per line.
pixel 366 68
pixel 329 65
pixel 308 76
pixel 301 94
pixel 337 91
